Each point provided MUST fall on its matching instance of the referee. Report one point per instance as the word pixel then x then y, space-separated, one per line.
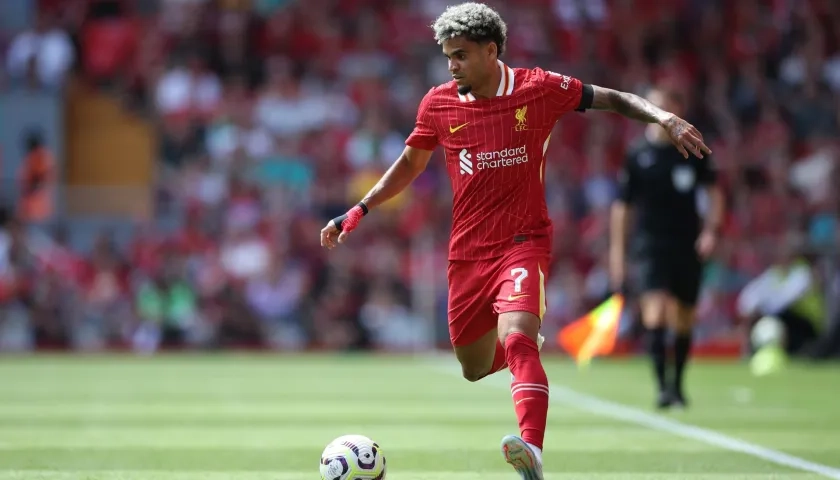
pixel 659 189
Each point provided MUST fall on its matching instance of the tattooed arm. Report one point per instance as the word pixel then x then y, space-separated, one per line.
pixel 683 134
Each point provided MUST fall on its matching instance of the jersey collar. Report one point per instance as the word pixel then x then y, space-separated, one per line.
pixel 506 84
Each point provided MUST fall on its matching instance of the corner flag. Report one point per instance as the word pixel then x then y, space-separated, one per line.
pixel 593 334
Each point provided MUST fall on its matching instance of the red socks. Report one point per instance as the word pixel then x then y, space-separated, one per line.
pixel 529 387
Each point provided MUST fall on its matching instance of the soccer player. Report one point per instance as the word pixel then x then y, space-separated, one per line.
pixel 494 122
pixel 661 187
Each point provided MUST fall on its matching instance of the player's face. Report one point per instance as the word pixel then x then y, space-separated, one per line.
pixel 469 62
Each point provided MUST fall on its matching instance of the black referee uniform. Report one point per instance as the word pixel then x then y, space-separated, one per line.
pixel 661 186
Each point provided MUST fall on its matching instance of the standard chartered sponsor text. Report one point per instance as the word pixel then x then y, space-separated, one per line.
pixel 501 158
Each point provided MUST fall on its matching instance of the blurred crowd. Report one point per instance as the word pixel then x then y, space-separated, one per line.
pixel 276 115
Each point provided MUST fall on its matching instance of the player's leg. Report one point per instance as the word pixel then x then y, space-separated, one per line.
pixel 481 357
pixel 685 318
pixel 529 388
pixel 687 277
pixel 472 322
pixel 485 356
pixel 521 306
pixel 654 303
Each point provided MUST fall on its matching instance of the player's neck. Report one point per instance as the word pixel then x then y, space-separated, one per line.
pixel 489 89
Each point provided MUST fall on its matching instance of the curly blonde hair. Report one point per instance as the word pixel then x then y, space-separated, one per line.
pixel 475 21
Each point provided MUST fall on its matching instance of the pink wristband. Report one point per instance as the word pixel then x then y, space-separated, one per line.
pixel 354 216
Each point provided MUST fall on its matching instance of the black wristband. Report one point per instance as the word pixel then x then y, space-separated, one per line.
pixel 364 207
pixel 337 221
pixel 586 96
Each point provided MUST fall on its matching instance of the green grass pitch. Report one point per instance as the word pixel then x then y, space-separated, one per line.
pixel 243 417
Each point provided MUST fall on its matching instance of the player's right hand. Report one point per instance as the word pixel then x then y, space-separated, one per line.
pixel 330 234
pixel 339 227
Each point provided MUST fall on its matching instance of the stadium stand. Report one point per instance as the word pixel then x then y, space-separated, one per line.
pixel 192 149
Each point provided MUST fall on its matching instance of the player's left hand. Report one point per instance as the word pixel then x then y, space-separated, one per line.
pixel 685 137
pixel 706 243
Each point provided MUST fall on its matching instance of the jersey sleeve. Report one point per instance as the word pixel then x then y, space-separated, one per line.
pixel 424 135
pixel 566 93
pixel 707 172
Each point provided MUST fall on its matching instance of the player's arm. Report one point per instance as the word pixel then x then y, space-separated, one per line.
pixel 708 179
pixel 620 214
pixel 413 160
pixel 713 220
pixel 707 242
pixel 714 217
pixel 683 134
pixel 411 163
pixel 399 176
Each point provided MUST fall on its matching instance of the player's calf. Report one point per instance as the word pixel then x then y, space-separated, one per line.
pixel 654 307
pixel 682 349
pixel 529 387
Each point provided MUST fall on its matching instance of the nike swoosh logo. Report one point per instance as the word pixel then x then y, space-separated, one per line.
pixel 455 129
pixel 514 297
pixel 522 400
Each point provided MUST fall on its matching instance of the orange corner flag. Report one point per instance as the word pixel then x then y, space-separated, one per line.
pixel 593 334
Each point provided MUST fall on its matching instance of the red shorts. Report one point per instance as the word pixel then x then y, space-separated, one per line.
pixel 480 290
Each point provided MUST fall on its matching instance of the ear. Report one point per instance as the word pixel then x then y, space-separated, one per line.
pixel 492 50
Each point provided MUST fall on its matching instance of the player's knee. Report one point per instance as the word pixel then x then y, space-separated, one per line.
pixel 518 322
pixel 654 318
pixel 474 370
pixel 684 320
pixel 654 310
pixel 473 374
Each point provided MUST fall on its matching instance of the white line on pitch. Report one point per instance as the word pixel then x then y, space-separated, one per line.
pixel 606 408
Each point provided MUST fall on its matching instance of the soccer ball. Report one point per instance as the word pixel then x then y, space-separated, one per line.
pixel 352 457
pixel 768 330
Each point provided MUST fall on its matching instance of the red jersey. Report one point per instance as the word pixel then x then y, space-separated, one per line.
pixel 495 155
